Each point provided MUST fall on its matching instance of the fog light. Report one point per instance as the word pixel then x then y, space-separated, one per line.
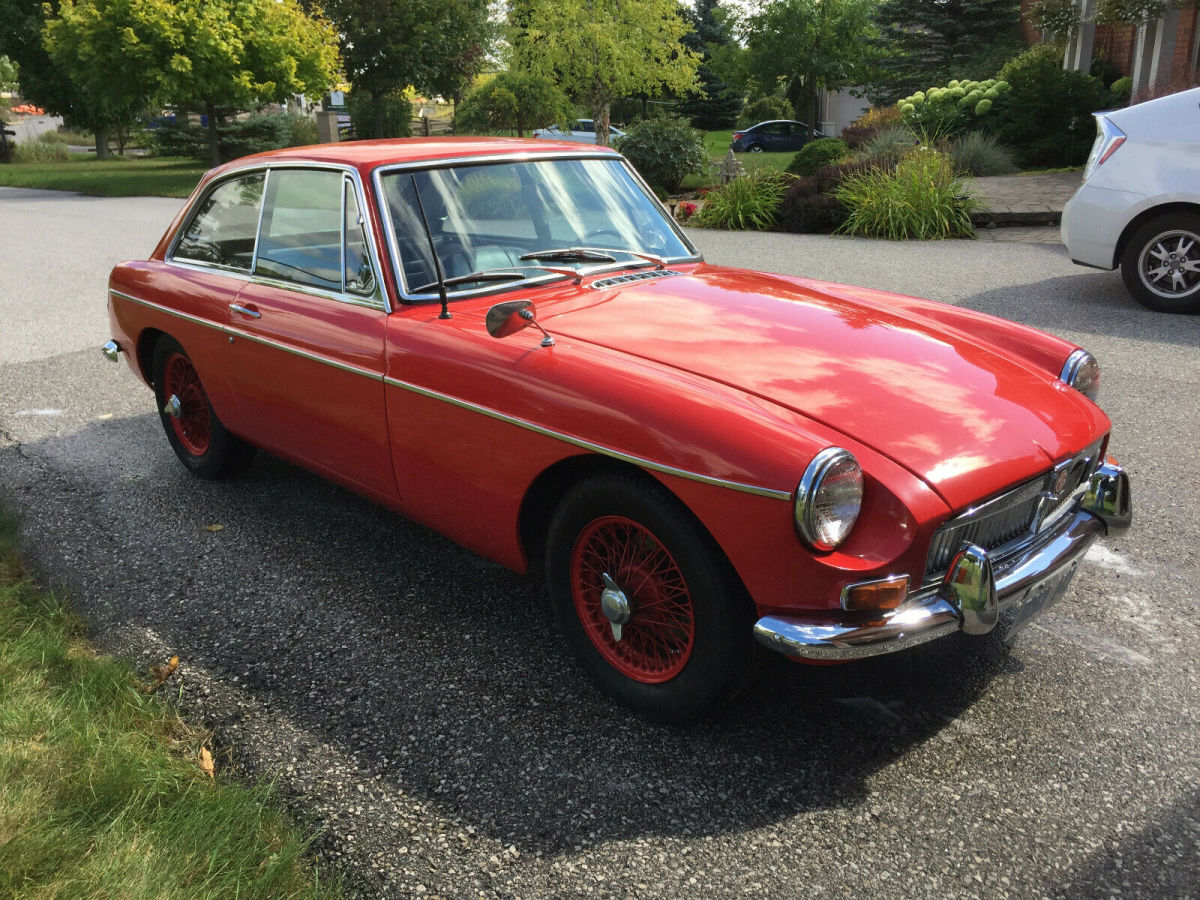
pixel 871 596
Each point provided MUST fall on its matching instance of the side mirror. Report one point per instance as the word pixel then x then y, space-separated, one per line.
pixel 511 316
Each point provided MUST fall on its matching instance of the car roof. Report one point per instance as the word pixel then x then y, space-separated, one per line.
pixel 368 155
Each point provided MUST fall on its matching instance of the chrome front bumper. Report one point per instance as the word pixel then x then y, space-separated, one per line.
pixel 973 595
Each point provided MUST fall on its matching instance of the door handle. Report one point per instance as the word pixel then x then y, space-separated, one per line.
pixel 245 311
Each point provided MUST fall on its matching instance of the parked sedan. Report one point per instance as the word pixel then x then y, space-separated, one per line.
pixel 695 456
pixel 582 131
pixel 772 137
pixel 1139 204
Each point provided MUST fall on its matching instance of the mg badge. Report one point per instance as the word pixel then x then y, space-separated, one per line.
pixel 1060 482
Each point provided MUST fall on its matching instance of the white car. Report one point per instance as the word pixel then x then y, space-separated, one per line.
pixel 1139 204
pixel 582 131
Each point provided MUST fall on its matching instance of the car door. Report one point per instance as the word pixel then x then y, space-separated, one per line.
pixel 306 333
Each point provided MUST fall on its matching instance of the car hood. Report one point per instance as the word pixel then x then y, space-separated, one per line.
pixel 957 412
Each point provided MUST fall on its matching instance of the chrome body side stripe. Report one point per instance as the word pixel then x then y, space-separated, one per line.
pixel 588 445
pixel 233 332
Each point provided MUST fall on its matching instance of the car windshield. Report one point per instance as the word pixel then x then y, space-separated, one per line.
pixel 521 217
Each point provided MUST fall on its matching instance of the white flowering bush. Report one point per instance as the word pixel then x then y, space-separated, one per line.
pixel 956 107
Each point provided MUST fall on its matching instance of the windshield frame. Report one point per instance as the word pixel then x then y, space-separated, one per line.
pixel 534 280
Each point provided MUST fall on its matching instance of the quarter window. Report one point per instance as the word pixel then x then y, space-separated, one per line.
pixel 301 235
pixel 221 232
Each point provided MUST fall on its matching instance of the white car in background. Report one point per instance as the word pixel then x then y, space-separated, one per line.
pixel 1139 204
pixel 582 131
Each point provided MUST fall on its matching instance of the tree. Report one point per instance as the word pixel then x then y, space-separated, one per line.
pixel 42 81
pixel 388 45
pixel 8 74
pixel 809 46
pixel 934 41
pixel 512 101
pixel 716 105
pixel 601 50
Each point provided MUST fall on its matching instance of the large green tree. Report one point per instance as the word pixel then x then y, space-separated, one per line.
pixel 927 42
pixel 717 104
pixel 601 50
pixel 388 45
pixel 808 46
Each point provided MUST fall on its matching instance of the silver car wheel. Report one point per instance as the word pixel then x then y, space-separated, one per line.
pixel 1169 264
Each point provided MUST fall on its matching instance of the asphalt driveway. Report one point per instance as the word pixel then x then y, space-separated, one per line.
pixel 419 710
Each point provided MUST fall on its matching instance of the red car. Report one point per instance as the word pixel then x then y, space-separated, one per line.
pixel 695 456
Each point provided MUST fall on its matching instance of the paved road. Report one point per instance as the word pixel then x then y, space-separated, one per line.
pixel 419 709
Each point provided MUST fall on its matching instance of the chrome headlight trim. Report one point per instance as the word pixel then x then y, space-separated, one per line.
pixel 808 493
pixel 1082 372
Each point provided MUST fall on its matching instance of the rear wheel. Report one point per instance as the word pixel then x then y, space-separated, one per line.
pixel 193 429
pixel 756 148
pixel 1161 263
pixel 646 600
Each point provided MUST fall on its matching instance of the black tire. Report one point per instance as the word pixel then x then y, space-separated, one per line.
pixel 197 436
pixel 1153 260
pixel 649 670
pixel 755 148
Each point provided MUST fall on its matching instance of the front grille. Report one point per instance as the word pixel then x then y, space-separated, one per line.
pixel 632 276
pixel 1016 515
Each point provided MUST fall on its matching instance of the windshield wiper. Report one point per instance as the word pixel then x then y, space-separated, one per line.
pixel 580 253
pixel 472 277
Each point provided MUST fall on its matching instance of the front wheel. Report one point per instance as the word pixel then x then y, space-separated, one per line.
pixel 646 600
pixel 1161 263
pixel 756 148
pixel 193 429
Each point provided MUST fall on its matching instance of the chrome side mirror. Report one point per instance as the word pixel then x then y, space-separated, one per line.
pixel 511 316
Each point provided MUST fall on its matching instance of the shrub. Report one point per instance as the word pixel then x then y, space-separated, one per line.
pixel 1048 118
pixel 395 112
pixel 870 124
pixel 922 199
pixel 809 205
pixel 749 203
pixel 665 151
pixel 51 137
pixel 1122 88
pixel 888 147
pixel 981 154
pixel 512 101
pixel 764 109
pixel 945 111
pixel 817 154
pixel 39 151
pixel 255 134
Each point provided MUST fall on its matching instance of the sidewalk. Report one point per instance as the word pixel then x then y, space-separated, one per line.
pixel 1023 199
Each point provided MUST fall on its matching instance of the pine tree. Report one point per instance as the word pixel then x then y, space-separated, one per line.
pixel 716 105
pixel 930 42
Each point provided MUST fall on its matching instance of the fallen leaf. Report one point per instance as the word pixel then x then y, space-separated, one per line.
pixel 214 527
pixel 105 416
pixel 206 763
pixel 161 674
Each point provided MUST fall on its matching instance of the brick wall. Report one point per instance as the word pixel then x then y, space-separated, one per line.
pixel 1028 32
pixel 1181 65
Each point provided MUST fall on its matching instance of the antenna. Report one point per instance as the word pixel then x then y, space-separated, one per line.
pixel 437 265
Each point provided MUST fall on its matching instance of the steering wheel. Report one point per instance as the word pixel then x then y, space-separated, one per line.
pixel 592 235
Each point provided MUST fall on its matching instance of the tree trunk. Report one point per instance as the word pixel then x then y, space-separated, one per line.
pixel 102 143
pixel 214 143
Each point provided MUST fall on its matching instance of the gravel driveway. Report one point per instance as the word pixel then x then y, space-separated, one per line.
pixel 418 709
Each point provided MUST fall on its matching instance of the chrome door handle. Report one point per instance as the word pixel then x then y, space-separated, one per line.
pixel 252 313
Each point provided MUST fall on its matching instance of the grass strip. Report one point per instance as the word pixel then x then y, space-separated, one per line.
pixel 121 177
pixel 100 791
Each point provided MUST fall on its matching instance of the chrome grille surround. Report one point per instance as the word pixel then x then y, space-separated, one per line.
pixel 1010 522
pixel 631 277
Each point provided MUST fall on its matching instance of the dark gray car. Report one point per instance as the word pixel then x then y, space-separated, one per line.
pixel 773 137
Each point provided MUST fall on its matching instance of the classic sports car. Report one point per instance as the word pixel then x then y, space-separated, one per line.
pixel 696 456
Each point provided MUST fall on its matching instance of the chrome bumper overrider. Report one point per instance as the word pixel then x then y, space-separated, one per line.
pixel 111 351
pixel 974 592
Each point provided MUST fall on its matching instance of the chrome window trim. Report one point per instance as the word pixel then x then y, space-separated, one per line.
pixel 453 162
pixel 588 445
pixel 258 339
pixel 377 300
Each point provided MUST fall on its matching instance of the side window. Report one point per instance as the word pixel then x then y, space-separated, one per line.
pixel 359 277
pixel 301 235
pixel 221 233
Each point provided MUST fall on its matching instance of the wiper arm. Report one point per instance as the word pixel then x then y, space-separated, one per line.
pixel 472 277
pixel 580 253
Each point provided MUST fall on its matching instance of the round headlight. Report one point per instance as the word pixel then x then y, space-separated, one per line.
pixel 829 498
pixel 1082 372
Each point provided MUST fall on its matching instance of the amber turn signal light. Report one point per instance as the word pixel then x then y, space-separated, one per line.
pixel 872 596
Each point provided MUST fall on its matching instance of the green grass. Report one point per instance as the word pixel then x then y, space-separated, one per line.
pixel 121 177
pixel 100 792
pixel 717 145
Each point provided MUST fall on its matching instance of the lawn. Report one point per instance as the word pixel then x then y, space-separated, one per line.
pixel 102 792
pixel 717 145
pixel 121 177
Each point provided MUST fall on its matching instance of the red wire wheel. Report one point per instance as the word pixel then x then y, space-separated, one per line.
pixel 657 641
pixel 194 425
